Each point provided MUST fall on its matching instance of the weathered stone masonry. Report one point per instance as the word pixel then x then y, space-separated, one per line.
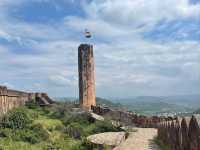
pixel 11 98
pixel 128 118
pixel 87 96
pixel 181 134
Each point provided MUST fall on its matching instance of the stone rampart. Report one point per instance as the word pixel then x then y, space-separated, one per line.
pixel 129 118
pixel 181 134
pixel 11 98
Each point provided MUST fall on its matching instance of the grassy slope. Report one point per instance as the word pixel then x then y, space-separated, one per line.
pixel 55 121
pixel 48 124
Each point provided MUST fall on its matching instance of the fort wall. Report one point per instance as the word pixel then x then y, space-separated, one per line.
pixel 11 99
pixel 181 134
pixel 130 118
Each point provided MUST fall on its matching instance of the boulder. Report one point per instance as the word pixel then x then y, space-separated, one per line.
pixel 108 139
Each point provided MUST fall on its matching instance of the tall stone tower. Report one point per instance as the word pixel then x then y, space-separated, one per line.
pixel 87 96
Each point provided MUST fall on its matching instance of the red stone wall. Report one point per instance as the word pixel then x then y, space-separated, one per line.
pixel 87 95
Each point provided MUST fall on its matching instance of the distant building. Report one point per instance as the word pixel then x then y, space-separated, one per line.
pixel 87 96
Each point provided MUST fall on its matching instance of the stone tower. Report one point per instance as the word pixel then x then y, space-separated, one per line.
pixel 87 96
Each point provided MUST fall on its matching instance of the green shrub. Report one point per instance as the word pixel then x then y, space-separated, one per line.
pixel 60 110
pixel 31 138
pixel 161 145
pixel 16 119
pixel 52 146
pixel 104 126
pixel 1 147
pixel 83 145
pixel 75 130
pixel 82 119
pixel 35 134
pixel 55 115
pixel 5 133
pixel 25 135
pixel 61 128
pixel 40 132
pixel 31 104
pixel 46 110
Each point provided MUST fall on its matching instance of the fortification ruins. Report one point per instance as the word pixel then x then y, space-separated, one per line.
pixel 181 134
pixel 11 98
pixel 87 96
pixel 178 133
pixel 126 118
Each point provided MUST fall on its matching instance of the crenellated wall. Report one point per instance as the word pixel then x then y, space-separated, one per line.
pixel 11 98
pixel 181 134
pixel 129 118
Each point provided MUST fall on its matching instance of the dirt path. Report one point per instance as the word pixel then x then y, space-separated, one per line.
pixel 140 140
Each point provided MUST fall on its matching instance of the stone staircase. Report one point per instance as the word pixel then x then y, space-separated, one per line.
pixel 43 99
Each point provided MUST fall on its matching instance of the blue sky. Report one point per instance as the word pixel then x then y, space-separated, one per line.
pixel 141 47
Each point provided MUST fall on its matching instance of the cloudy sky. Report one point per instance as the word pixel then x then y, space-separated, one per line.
pixel 142 47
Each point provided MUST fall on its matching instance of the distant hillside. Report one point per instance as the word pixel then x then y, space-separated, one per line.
pixel 197 111
pixel 147 105
pixel 142 106
pixel 191 101
pixel 153 108
pixel 105 102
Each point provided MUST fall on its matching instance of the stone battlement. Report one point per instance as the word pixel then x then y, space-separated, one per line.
pixel 181 134
pixel 129 118
pixel 12 98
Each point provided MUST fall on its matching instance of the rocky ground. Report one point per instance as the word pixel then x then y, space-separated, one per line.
pixel 140 140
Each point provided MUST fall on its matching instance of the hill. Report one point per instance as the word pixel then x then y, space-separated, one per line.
pixel 106 102
pixel 146 105
pixel 192 101
pixel 197 111
pixel 156 108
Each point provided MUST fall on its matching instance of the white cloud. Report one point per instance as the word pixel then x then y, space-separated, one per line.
pixel 125 61
pixel 141 12
pixel 61 81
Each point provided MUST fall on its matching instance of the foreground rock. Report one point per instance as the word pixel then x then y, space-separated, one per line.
pixel 108 139
pixel 97 117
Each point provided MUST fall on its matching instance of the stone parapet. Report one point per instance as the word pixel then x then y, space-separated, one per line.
pixel 181 134
pixel 129 118
pixel 11 99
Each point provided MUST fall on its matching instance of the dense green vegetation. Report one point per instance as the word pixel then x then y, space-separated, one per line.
pixel 161 145
pixel 49 128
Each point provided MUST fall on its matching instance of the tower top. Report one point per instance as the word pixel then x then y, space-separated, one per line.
pixel 88 34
